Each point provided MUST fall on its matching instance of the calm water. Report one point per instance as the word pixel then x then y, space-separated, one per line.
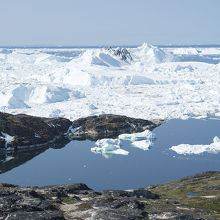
pixel 76 163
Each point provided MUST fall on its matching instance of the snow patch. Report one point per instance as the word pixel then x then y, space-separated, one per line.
pixel 72 130
pixel 8 139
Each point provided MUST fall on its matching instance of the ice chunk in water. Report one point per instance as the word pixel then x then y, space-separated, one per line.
pixel 109 146
pixel 145 135
pixel 213 148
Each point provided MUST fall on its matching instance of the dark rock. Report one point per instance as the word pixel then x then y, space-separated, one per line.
pixel 142 193
pixel 139 193
pixel 78 201
pixel 35 216
pixel 116 203
pixel 117 193
pixel 108 125
pixel 63 190
pixel 120 214
pixel 29 130
pixel 123 53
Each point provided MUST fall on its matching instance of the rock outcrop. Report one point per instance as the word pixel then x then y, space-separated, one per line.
pixel 108 126
pixel 22 131
pixel 77 201
pixel 123 53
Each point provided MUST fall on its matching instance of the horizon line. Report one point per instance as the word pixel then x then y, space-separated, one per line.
pixel 116 45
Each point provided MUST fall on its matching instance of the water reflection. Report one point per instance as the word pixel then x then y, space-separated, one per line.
pixel 12 159
pixel 76 163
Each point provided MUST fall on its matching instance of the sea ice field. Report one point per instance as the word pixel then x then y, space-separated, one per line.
pixel 156 83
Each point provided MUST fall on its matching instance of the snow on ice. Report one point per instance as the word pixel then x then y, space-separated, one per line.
pixel 157 83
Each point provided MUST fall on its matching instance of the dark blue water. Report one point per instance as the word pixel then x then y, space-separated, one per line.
pixel 76 163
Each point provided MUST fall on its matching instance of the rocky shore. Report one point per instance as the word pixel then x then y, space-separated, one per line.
pixel 24 131
pixel 195 197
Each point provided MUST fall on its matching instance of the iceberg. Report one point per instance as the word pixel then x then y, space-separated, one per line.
pixel 142 140
pixel 144 144
pixel 108 146
pixel 213 148
pixel 145 135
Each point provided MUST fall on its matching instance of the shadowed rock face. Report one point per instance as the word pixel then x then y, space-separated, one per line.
pixel 108 125
pixel 77 201
pixel 123 53
pixel 29 130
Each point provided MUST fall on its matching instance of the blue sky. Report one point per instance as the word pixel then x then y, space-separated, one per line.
pixel 108 22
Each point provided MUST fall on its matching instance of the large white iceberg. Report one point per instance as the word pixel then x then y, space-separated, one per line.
pixel 109 146
pixel 213 148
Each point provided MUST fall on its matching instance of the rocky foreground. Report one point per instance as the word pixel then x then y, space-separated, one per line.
pixel 195 197
pixel 24 131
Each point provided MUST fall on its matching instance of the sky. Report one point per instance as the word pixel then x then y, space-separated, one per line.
pixel 108 22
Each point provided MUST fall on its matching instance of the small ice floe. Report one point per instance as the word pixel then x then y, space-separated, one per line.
pixel 143 144
pixel 108 146
pixel 142 140
pixel 8 139
pixel 145 135
pixel 213 148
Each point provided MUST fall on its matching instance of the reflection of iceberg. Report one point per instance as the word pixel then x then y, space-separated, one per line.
pixel 12 159
pixel 213 148
pixel 109 146
pixel 106 147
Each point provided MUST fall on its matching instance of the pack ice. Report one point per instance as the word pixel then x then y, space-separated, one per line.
pixel 155 83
